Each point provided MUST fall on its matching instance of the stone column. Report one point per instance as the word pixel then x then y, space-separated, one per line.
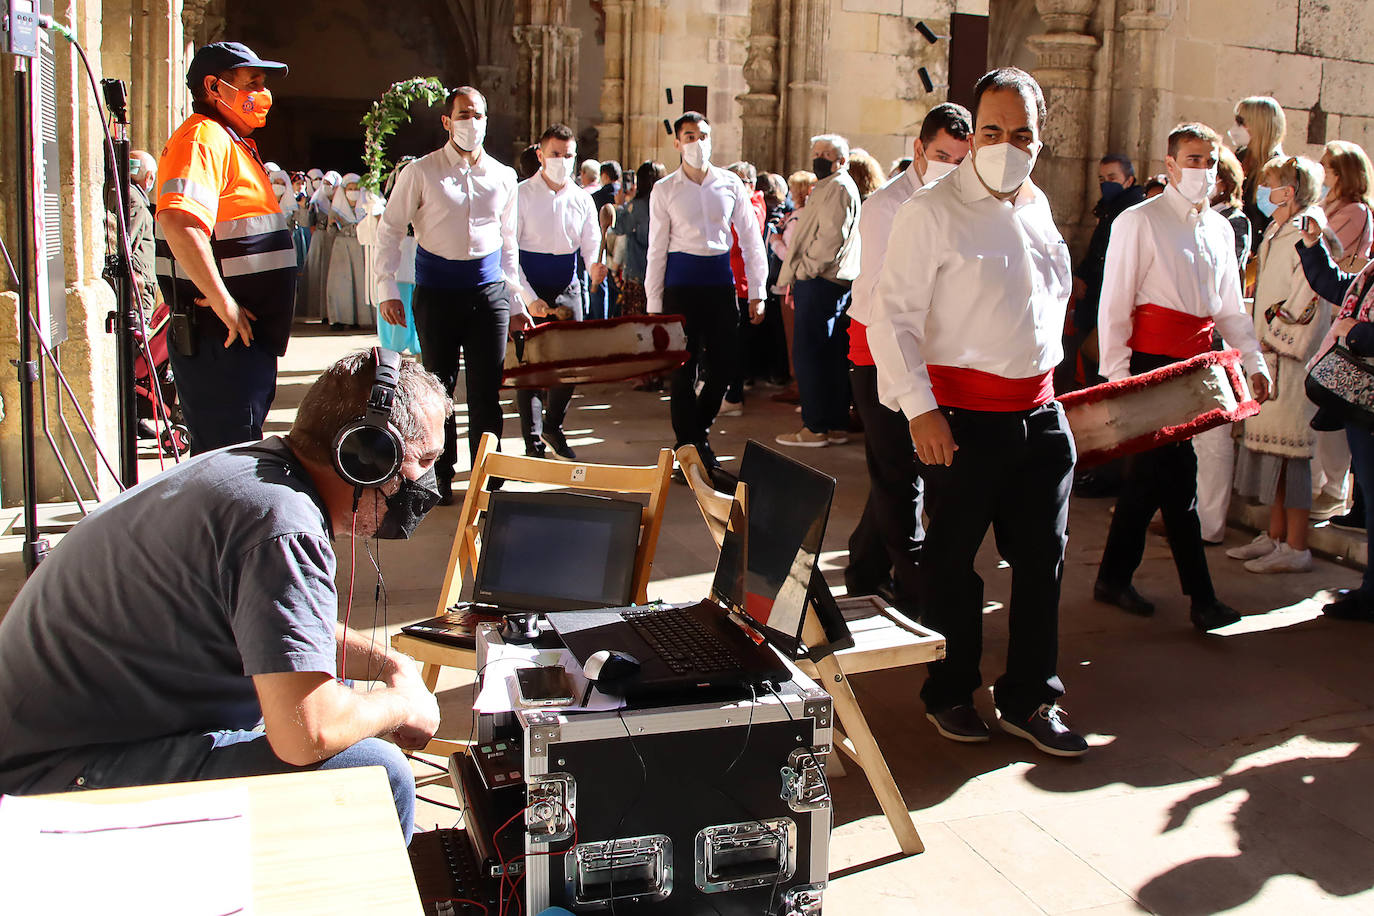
pixel 1140 123
pixel 1065 67
pixel 548 65
pixel 808 93
pixel 761 114
pixel 644 118
pixel 611 129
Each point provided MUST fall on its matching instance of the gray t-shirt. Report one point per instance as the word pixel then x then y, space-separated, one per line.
pixel 151 616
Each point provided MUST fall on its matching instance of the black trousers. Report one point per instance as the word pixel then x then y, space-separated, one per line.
pixel 886 544
pixel 473 323
pixel 1013 472
pixel 1163 478
pixel 224 392
pixel 712 318
pixel 547 407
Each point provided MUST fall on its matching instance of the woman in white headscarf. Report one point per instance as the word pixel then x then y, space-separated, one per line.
pixel 312 291
pixel 312 181
pixel 281 186
pixel 347 305
pixel 295 203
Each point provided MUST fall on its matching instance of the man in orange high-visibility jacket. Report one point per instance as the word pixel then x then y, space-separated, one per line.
pixel 225 259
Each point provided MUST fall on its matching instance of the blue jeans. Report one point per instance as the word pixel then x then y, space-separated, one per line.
pixel 226 754
pixel 820 353
pixel 224 393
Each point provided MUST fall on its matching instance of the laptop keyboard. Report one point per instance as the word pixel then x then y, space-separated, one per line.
pixel 684 644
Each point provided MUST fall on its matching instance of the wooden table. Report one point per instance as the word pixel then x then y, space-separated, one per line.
pixel 322 842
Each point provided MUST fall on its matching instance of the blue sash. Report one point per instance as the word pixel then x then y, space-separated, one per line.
pixel 685 269
pixel 549 271
pixel 442 273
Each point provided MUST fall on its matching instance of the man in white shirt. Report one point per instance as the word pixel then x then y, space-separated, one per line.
pixel 965 329
pixel 885 548
pixel 462 204
pixel 822 261
pixel 691 213
pixel 557 220
pixel 1170 278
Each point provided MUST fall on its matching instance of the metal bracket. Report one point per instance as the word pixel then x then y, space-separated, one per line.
pixel 804 786
pixel 633 869
pixel 544 730
pixel 552 807
pixel 817 705
pixel 804 900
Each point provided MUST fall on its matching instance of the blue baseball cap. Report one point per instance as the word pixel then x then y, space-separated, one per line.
pixel 213 59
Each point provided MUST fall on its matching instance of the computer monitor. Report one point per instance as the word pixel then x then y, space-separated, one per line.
pixel 552 551
pixel 767 572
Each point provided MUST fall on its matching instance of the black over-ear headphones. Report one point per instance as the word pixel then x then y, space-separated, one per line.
pixel 369 450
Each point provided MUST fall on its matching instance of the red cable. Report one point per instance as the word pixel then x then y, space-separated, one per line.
pixel 348 612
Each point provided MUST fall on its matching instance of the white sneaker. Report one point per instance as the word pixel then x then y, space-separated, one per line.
pixel 1262 545
pixel 1282 559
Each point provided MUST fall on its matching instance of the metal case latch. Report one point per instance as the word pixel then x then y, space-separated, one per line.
pixel 802 901
pixel 730 857
pixel 804 787
pixel 637 869
pixel 552 807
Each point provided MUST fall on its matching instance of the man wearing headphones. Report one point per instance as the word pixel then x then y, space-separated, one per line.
pixel 209 646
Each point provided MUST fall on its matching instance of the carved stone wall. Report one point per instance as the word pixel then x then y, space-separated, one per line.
pixel 1065 54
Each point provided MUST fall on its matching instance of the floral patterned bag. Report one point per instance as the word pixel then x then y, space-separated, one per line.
pixel 1343 383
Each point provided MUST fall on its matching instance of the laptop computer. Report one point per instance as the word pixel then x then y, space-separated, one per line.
pixel 764 579
pixel 545 551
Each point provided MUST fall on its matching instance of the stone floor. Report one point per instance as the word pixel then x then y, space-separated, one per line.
pixel 1229 773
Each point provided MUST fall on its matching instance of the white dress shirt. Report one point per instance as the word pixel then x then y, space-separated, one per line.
pixel 696 219
pixel 1165 252
pixel 971 282
pixel 459 212
pixel 556 222
pixel 875 226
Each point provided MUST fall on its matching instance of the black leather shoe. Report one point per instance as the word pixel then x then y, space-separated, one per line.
pixel 445 492
pixel 1124 597
pixel 558 444
pixel 960 723
pixel 1045 728
pixel 1349 606
pixel 1212 615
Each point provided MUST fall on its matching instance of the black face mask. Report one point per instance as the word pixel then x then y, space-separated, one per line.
pixel 408 506
pixel 822 167
pixel 1111 189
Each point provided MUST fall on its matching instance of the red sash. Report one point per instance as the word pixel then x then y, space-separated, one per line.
pixel 1168 332
pixel 859 354
pixel 973 389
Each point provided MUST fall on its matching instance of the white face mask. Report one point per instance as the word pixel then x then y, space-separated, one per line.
pixel 558 168
pixel 936 169
pixel 1003 167
pixel 352 196
pixel 1238 136
pixel 697 154
pixel 1197 185
pixel 468 135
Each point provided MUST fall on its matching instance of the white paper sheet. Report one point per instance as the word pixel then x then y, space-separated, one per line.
pixel 182 856
pixel 499 693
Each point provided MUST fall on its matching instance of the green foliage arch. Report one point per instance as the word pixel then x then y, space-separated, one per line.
pixel 388 112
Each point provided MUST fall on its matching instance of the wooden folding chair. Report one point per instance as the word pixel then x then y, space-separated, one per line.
pixel 883 638
pixel 649 480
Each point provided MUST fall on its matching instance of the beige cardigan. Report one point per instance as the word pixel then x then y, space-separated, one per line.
pixel 1281 427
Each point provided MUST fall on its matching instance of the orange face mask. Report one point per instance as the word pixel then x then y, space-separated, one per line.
pixel 251 106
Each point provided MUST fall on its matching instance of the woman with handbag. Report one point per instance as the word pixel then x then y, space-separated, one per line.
pixel 1343 380
pixel 1275 463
